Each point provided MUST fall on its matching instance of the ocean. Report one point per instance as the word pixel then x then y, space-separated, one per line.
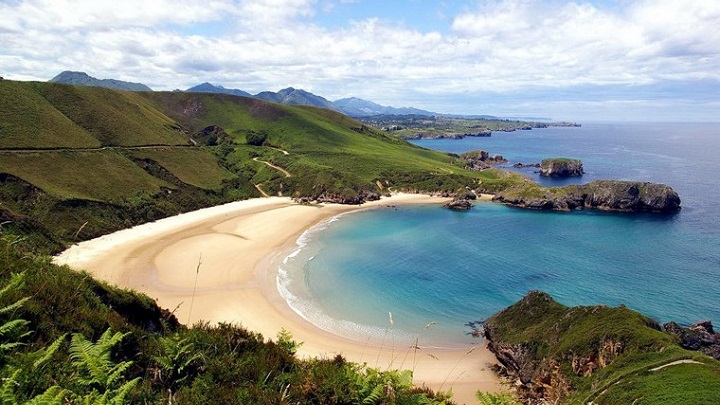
pixel 424 272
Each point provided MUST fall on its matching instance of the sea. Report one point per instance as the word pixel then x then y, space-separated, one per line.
pixel 427 274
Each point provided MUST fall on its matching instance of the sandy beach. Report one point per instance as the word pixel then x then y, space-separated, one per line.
pixel 238 248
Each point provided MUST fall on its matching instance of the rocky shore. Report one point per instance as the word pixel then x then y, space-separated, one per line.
pixel 554 354
pixel 561 167
pixel 606 195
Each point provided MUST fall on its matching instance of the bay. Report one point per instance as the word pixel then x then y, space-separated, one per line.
pixel 426 265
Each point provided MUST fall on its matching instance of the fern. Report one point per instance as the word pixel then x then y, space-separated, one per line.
pixel 52 396
pixel 177 360
pixel 93 360
pixel 488 398
pixel 97 371
pixel 375 395
pixel 13 330
pixel 7 390
pixel 44 355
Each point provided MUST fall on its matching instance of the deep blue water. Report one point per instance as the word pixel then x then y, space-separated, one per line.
pixel 427 264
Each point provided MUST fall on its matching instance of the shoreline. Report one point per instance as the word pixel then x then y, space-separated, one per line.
pixel 234 253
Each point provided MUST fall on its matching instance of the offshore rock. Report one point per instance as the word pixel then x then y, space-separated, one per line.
pixel 606 195
pixel 699 337
pixel 459 205
pixel 561 167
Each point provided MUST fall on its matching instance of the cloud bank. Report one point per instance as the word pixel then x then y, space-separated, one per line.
pixel 564 59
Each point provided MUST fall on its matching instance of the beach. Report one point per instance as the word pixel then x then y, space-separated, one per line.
pixel 220 265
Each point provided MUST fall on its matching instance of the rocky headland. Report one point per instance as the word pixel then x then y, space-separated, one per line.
pixel 699 337
pixel 606 195
pixel 551 354
pixel 561 167
pixel 442 135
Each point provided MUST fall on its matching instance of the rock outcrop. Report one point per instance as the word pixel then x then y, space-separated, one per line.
pixel 699 337
pixel 606 195
pixel 526 165
pixel 480 160
pixel 459 205
pixel 461 202
pixel 550 352
pixel 561 167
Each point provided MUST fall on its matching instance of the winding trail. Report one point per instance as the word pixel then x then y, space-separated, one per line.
pixel 675 363
pixel 285 172
pixel 262 192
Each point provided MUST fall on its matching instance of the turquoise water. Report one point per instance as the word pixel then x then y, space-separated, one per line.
pixel 426 264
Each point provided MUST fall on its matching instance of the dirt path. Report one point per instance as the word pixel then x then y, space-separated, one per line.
pixel 675 363
pixel 262 192
pixel 285 172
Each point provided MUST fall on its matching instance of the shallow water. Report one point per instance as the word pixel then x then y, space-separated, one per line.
pixel 426 264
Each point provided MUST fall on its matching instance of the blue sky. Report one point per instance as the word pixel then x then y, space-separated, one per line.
pixel 653 60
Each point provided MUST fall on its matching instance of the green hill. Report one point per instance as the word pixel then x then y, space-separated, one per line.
pixel 97 160
pixel 599 355
pixel 79 162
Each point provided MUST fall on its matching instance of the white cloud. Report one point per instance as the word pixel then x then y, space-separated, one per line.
pixel 501 46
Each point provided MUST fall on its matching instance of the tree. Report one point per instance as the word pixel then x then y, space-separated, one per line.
pixel 256 138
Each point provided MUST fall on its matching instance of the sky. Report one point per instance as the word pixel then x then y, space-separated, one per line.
pixel 646 60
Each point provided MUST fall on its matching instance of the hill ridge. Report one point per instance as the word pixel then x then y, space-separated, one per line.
pixel 83 79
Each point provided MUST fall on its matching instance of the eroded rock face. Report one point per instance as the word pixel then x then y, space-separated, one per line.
pixel 481 160
pixel 606 195
pixel 699 337
pixel 459 205
pixel 561 167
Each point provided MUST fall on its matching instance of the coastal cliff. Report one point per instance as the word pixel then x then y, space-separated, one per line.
pixel 606 195
pixel 595 354
pixel 561 167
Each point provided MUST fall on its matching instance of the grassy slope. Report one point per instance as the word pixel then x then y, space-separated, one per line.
pixel 105 158
pixel 193 166
pixel 29 120
pixel 221 364
pixel 89 175
pixel 556 334
pixel 327 150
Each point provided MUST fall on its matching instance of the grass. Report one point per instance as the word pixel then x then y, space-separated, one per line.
pixel 197 167
pixel 557 338
pixel 28 120
pixel 117 118
pixel 89 175
pixel 202 364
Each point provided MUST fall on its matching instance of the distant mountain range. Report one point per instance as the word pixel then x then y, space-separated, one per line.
pixel 83 79
pixel 354 107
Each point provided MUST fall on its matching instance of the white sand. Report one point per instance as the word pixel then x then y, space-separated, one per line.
pixel 238 247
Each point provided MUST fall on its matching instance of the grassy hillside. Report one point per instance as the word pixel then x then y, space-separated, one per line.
pixel 97 160
pixel 68 339
pixel 29 120
pixel 597 354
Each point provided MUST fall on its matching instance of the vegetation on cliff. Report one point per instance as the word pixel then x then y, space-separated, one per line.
pixel 598 355
pixel 66 338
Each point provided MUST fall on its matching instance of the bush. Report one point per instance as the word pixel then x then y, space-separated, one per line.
pixel 256 138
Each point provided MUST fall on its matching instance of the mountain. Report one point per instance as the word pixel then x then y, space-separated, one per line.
pixel 353 106
pixel 292 96
pixel 83 79
pixel 209 88
pixel 356 107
